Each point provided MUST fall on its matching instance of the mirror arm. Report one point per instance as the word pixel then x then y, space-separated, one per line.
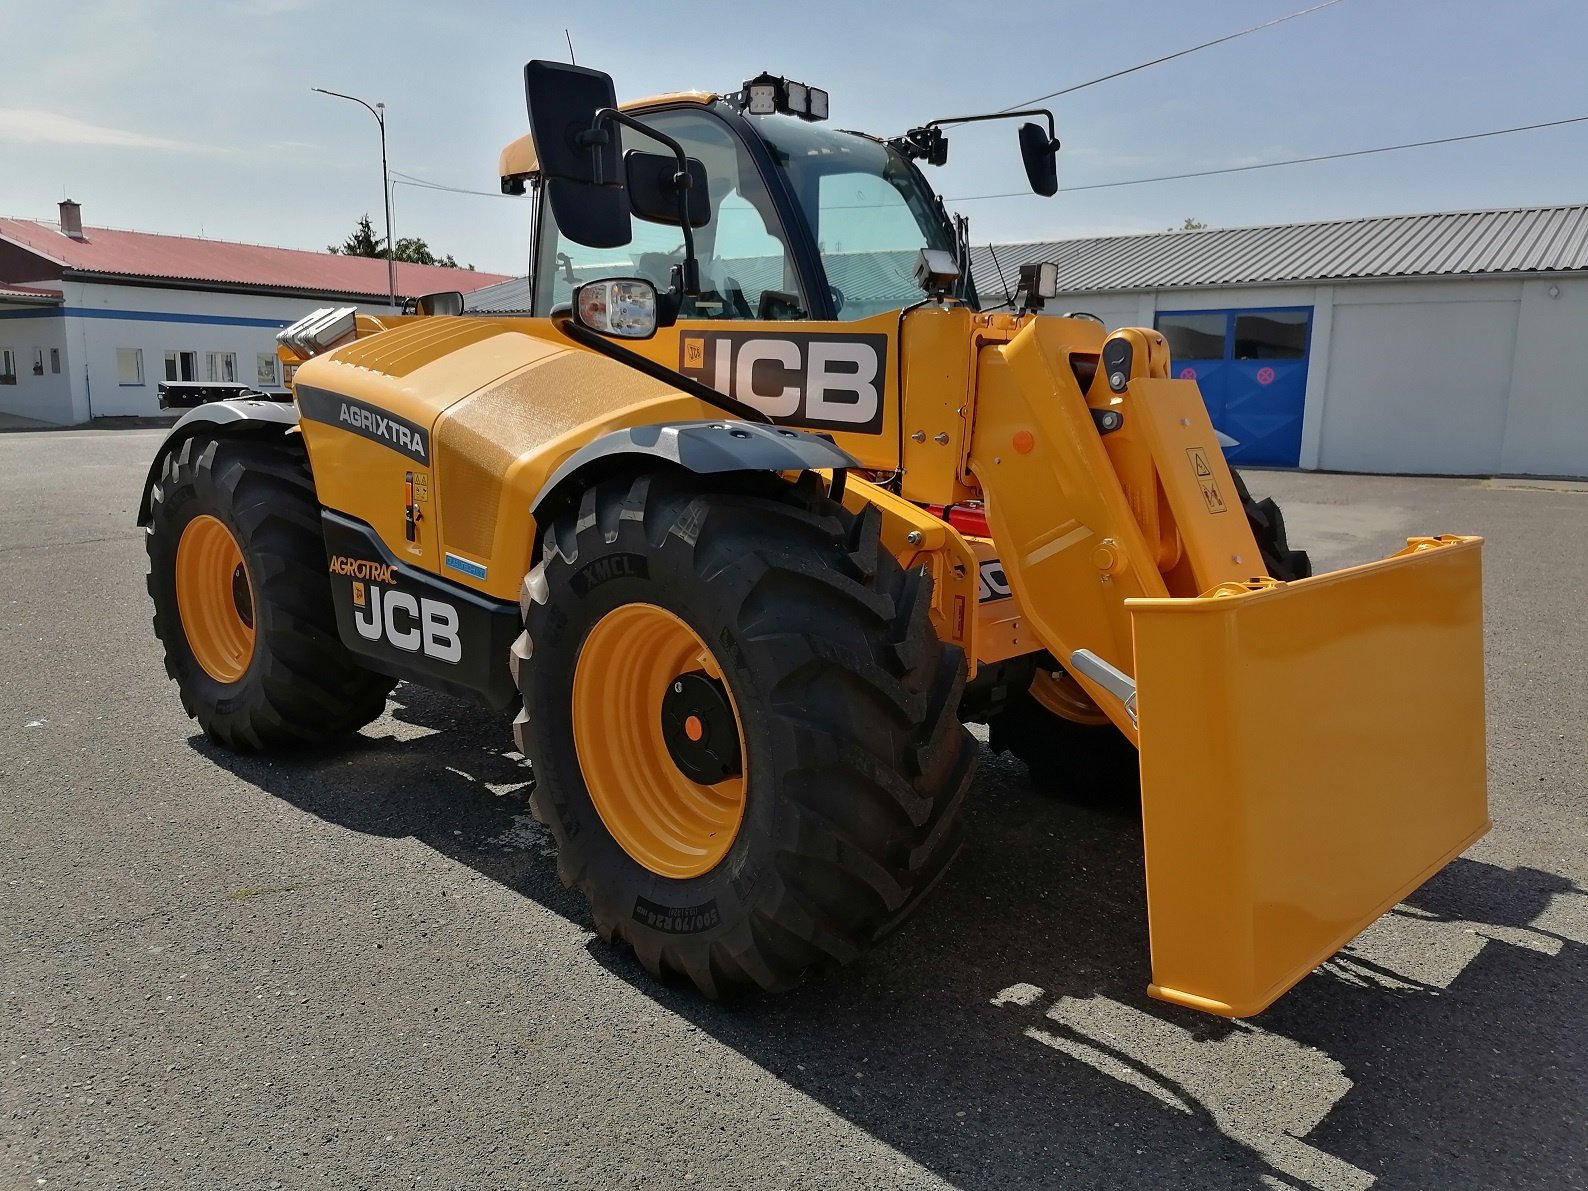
pixel 1043 112
pixel 926 141
pixel 597 134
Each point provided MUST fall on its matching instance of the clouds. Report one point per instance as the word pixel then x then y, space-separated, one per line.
pixel 30 126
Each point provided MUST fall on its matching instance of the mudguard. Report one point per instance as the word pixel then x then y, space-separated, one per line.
pixel 705 448
pixel 232 417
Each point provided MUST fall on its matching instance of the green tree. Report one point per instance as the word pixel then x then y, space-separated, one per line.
pixel 362 242
pixel 410 249
pixel 1190 225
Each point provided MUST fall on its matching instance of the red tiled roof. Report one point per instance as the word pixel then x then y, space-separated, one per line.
pixel 187 258
pixel 25 291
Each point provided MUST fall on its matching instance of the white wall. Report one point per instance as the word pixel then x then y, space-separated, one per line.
pixel 178 320
pixel 47 398
pixel 1419 376
pixel 1546 422
pixel 1460 376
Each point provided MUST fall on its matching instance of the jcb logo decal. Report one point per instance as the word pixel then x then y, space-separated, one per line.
pixel 412 625
pixel 994 584
pixel 831 382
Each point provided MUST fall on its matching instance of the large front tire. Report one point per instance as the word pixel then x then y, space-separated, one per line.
pixel 741 722
pixel 242 598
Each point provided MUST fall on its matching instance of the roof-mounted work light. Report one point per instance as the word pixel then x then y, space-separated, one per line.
pixel 769 93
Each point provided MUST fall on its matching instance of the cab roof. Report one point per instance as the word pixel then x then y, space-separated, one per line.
pixel 519 159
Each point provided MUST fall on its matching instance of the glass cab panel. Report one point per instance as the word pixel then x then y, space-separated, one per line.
pixel 866 208
pixel 746 270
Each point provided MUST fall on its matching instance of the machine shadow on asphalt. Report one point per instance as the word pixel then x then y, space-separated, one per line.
pixel 1004 1033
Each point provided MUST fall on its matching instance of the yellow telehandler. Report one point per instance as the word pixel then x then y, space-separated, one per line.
pixel 757 508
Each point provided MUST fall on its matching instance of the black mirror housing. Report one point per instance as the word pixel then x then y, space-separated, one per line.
pixel 654 195
pixel 1040 152
pixel 563 101
pixel 581 167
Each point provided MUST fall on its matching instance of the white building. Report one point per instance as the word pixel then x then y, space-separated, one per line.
pixel 1453 343
pixel 92 319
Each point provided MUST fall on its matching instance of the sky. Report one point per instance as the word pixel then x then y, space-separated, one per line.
pixel 196 117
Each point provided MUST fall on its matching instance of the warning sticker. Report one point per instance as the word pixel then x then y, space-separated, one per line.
pixel 1205 481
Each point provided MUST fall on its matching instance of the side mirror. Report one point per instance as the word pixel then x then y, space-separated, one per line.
pixel 581 168
pixel 654 192
pixel 621 308
pixel 1040 152
pixel 447 302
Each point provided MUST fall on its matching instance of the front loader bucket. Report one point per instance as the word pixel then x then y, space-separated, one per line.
pixel 1310 754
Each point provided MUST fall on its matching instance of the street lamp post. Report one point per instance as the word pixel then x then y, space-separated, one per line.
pixel 379 112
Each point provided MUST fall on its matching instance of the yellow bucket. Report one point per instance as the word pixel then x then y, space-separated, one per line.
pixel 1310 754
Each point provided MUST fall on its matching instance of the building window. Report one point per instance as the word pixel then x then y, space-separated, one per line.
pixel 1271 335
pixel 266 371
pixel 1194 336
pixel 38 361
pixel 181 365
pixel 129 365
pixel 8 367
pixel 223 367
pixel 55 360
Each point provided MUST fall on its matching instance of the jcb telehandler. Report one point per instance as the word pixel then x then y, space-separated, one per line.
pixel 758 507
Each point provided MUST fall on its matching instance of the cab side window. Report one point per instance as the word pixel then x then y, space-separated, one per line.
pixel 746 271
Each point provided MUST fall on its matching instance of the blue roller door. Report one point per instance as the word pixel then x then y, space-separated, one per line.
pixel 1251 366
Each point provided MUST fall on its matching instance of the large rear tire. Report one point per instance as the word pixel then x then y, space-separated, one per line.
pixel 1086 757
pixel 242 598
pixel 742 725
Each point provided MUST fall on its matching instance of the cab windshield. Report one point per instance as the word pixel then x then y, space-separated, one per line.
pixel 867 208
pixel 868 211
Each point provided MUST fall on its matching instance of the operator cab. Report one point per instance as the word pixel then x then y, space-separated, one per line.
pixel 805 222
pixel 801 221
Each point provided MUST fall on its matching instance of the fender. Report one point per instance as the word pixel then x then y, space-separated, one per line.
pixel 227 418
pixel 705 448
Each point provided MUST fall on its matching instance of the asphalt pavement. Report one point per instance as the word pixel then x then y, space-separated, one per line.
pixel 356 968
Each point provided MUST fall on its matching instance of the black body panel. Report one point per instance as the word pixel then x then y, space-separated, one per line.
pixel 415 626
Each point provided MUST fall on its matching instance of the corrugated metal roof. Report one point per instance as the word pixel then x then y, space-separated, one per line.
pixel 27 293
pixel 187 258
pixel 505 297
pixel 1438 244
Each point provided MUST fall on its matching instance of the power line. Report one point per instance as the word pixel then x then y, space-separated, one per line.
pixel 1268 165
pixel 1168 57
pixel 410 180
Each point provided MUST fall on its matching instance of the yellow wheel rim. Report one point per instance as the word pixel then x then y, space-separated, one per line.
pixel 629 730
pixel 215 599
pixel 1063 696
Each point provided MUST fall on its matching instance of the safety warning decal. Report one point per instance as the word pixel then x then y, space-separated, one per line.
pixel 1205 480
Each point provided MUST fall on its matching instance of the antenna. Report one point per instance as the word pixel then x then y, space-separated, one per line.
pixel 1009 298
pixel 572 60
